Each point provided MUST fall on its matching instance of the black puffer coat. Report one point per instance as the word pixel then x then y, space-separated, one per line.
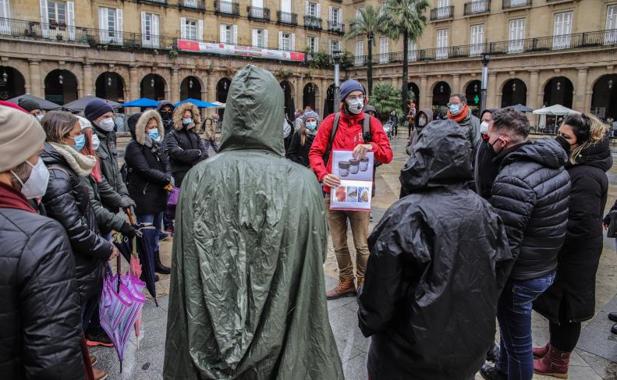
pixel 531 194
pixel 147 165
pixel 184 146
pixel 297 152
pixel 439 259
pixel 109 163
pixel 39 312
pixel 571 298
pixel 67 201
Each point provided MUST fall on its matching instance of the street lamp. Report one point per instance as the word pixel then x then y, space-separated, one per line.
pixel 336 55
pixel 485 60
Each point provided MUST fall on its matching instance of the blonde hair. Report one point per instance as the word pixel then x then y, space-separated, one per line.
pixel 597 132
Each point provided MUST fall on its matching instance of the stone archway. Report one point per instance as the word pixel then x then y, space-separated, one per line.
pixel 513 92
pixel 222 89
pixel 414 94
pixel 310 96
pixel 12 83
pixel 61 86
pixel 441 96
pixel 558 90
pixel 110 85
pixel 604 97
pixel 190 88
pixel 473 95
pixel 153 87
pixel 290 104
pixel 328 106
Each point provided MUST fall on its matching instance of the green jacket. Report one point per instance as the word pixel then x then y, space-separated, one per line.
pixel 109 162
pixel 247 294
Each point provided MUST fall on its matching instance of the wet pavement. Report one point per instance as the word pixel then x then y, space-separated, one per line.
pixel 594 358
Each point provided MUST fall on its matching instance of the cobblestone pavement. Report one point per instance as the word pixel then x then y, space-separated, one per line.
pixel 595 357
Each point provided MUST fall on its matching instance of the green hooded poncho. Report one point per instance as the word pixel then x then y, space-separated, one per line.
pixel 247 288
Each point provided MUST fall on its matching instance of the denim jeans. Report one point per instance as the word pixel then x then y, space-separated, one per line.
pixel 154 219
pixel 514 315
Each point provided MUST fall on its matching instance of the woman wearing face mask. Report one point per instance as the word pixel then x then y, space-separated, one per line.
pixel 149 178
pixel 67 200
pixel 183 145
pixel 571 298
pixel 303 139
pixel 423 117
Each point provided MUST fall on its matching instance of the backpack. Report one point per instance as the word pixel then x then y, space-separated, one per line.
pixel 366 133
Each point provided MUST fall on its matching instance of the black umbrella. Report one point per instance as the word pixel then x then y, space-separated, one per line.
pixel 80 104
pixel 521 108
pixel 45 105
pixel 147 246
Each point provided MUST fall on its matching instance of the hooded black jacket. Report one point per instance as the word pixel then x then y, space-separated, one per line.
pixel 531 194
pixel 67 201
pixel 439 259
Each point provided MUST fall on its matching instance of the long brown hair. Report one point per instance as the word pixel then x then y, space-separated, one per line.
pixel 57 125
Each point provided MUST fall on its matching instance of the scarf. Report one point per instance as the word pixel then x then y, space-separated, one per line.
pixel 461 116
pixel 11 198
pixel 80 163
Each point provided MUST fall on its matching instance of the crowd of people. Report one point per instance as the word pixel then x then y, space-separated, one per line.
pixel 490 225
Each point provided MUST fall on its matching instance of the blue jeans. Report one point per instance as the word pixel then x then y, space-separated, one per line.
pixel 154 219
pixel 514 315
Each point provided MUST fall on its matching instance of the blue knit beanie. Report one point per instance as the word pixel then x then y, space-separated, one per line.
pixel 95 109
pixel 350 86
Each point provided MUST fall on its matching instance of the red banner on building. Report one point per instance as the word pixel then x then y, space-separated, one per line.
pixel 240 51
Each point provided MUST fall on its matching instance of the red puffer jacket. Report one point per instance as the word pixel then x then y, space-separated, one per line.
pixel 348 135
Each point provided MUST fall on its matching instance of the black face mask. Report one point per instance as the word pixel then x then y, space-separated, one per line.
pixel 166 115
pixel 564 143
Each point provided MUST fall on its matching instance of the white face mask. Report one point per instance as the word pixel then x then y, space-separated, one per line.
pixel 106 124
pixel 484 127
pixel 36 185
pixel 95 141
pixel 39 117
pixel 355 106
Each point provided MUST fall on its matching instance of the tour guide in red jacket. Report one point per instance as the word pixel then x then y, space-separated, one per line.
pixel 349 136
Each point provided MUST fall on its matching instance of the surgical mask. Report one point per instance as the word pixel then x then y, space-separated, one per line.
pixel 484 127
pixel 154 135
pixel 355 106
pixel 106 124
pixel 421 121
pixel 80 142
pixel 187 121
pixel 39 117
pixel 36 185
pixel 311 125
pixel 455 109
pixel 95 142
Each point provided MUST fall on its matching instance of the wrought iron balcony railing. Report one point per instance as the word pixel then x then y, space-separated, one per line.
pixel 477 7
pixel 514 4
pixel 443 13
pixel 199 5
pixel 287 18
pixel 258 14
pixel 336 27
pixel 227 8
pixel 311 22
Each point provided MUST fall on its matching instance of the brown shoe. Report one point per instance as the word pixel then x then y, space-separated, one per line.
pixel 345 288
pixel 93 359
pixel 99 374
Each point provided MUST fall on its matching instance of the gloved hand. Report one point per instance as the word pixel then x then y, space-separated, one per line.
pixel 128 230
pixel 127 202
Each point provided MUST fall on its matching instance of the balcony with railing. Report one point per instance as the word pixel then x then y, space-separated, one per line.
pixel 477 7
pixel 443 13
pixel 287 18
pixel 197 5
pixel 336 27
pixel 515 4
pixel 311 22
pixel 258 14
pixel 227 8
pixel 154 2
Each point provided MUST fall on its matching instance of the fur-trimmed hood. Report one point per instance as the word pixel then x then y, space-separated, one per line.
pixel 180 110
pixel 140 134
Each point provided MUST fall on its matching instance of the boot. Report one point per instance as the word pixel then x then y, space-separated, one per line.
pixel 158 265
pixel 99 374
pixel 612 317
pixel 540 352
pixel 493 354
pixel 345 288
pixel 490 372
pixel 555 363
pixel 359 285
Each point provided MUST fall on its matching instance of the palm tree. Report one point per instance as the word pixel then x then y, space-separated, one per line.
pixel 406 18
pixel 367 23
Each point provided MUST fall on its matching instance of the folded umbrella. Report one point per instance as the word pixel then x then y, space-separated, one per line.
pixel 147 246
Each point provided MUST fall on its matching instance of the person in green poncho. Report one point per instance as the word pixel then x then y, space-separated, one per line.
pixel 247 288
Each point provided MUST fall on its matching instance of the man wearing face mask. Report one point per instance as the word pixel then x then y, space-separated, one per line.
pixel 40 313
pixel 349 135
pixel 100 114
pixel 485 168
pixel 530 194
pixel 33 107
pixel 459 111
pixel 166 110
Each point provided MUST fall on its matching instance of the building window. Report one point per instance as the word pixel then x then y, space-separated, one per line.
pixel 260 38
pixel 476 40
pixel 190 29
pixel 442 44
pixel 110 23
pixel 312 44
pixel 5 15
pixel 229 34
pixel 562 28
pixel 56 12
pixel 150 29
pixel 359 57
pixel 412 48
pixel 516 35
pixel 335 46
pixel 287 41
pixel 312 9
pixel 384 50
pixel 610 36
pixel 190 3
pixel 443 9
pixel 335 16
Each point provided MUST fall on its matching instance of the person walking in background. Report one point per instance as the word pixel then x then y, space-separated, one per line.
pixel 149 178
pixel 40 318
pixel 349 135
pixel 571 298
pixel 530 194
pixel 439 259
pixel 209 128
pixel 411 118
pixel 303 139
pixel 459 112
pixel 183 145
pixel 246 298
pixel 67 201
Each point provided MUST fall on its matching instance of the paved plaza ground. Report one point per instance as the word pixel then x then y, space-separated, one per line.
pixel 595 357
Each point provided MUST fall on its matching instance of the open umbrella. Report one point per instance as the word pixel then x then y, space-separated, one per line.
pixel 45 104
pixel 80 104
pixel 141 102
pixel 521 108
pixel 197 102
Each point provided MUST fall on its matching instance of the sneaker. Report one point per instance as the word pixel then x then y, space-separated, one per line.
pixel 493 354
pixel 490 372
pixel 345 288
